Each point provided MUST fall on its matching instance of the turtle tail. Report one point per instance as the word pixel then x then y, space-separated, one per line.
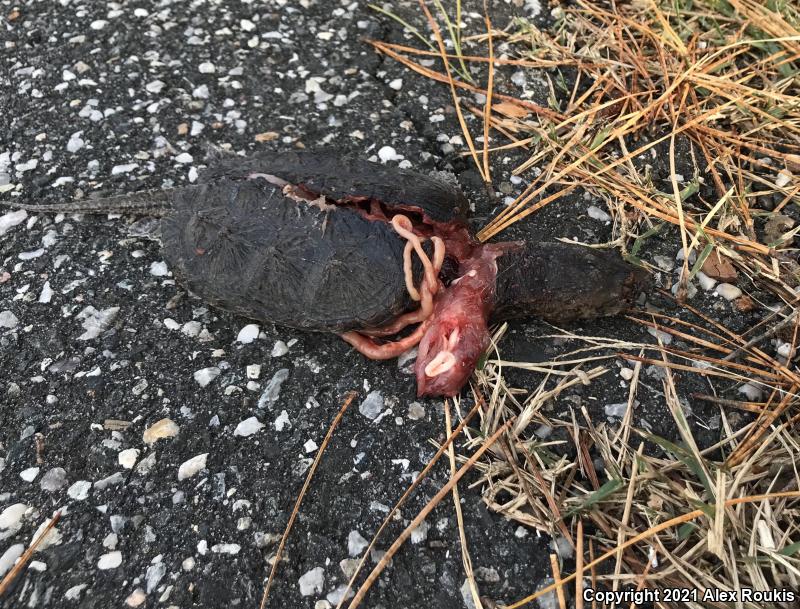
pixel 157 202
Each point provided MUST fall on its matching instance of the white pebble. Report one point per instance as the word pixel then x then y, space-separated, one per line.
pixel 248 334
pixel 207 68
pixel 10 557
pixel 192 466
pixel 387 153
pixel 752 392
pixel 396 84
pixel 98 24
pixel 112 560
pixel 75 142
pixel 136 598
pixel 310 446
pixel 12 219
pixel 79 491
pixel 47 293
pixel 192 328
pixel 11 517
pixel 356 543
pixel 273 389
pixel 728 291
pixel 706 282
pixel 312 581
pixel 29 475
pixel 8 320
pixel 54 479
pixel 247 25
pixel 127 458
pixel 96 322
pixel 665 337
pixel 118 169
pixel 159 269
pixel 279 349
pixel 598 214
pixel 248 427
pixel 204 376
pixel 226 548
pixel 184 158
pixel 155 86
pixel 372 406
pixel 626 373
pixel 253 371
pixel 282 422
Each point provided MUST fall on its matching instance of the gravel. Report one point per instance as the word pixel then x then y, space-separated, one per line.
pixel 145 375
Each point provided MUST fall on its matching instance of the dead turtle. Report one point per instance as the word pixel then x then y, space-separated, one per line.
pixel 321 241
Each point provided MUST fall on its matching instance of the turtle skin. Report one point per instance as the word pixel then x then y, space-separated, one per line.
pixel 244 247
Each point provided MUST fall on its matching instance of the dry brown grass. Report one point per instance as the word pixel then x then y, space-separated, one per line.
pixel 721 76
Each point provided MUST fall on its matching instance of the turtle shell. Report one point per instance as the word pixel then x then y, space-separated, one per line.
pixel 245 247
pixel 339 176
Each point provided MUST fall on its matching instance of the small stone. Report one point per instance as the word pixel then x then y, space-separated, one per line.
pixel 616 410
pixel 598 214
pixel 207 68
pixel 206 375
pixel 719 267
pixel 273 390
pixel 192 466
pixel 8 320
pixel 420 532
pixel 154 575
pixel 396 84
pixel 11 517
pixel 387 153
pixel 247 25
pixel 96 322
pixel 282 422
pixel 98 24
pixel 159 269
pixel 136 598
pixel 127 458
pixel 728 291
pixel 29 475
pixel 356 544
pixel 416 411
pixel 112 560
pixel 340 593
pixel 310 446
pixel 79 491
pixel 705 281
pixel 665 263
pixel 188 564
pixel 126 168
pixel 10 557
pixel 46 294
pixel 155 86
pixel 745 304
pixel 192 328
pixel 665 337
pixel 226 548
pixel 54 479
pixel 184 158
pixel 267 136
pixel 626 373
pixel 279 349
pixel 12 219
pixel 165 428
pixel 752 392
pixel 372 406
pixel 74 593
pixel 253 371
pixel 248 427
pixel 312 581
pixel 248 334
pixel 75 142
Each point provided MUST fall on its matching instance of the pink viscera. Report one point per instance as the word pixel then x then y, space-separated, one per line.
pixel 457 332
